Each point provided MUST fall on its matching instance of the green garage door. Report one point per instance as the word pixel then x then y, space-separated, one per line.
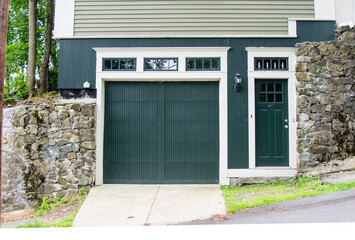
pixel 161 132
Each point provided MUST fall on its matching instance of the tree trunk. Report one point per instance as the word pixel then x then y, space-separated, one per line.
pixel 44 64
pixel 4 11
pixel 31 46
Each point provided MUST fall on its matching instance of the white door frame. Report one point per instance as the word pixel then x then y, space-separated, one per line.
pixel 270 52
pixel 181 75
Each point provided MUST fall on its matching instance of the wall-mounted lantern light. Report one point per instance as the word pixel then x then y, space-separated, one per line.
pixel 238 82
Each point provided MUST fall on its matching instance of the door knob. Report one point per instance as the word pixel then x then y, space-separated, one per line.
pixel 286 126
pixel 286 120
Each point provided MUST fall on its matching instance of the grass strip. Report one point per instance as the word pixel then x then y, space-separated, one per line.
pixel 254 195
pixel 65 222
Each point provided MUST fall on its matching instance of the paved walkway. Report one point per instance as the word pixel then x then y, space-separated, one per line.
pixel 137 205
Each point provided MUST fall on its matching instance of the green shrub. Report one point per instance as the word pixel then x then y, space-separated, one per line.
pixel 15 87
pixel 82 192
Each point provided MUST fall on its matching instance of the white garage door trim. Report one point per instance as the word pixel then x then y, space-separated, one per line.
pixel 180 75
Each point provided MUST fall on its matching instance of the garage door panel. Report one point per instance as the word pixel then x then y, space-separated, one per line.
pixel 133 91
pixel 190 151
pixel 191 111
pixel 176 91
pixel 169 137
pixel 191 131
pixel 130 171
pixel 133 110
pixel 193 171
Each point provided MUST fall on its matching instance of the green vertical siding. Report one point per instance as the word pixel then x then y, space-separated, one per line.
pixel 161 132
pixel 198 17
pixel 77 64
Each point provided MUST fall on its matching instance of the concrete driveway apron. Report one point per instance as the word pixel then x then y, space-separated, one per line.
pixel 137 205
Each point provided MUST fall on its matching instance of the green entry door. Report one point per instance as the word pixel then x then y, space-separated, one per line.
pixel 161 132
pixel 271 123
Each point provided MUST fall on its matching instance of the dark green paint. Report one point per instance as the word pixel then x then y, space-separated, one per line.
pixel 271 111
pixel 161 132
pixel 77 65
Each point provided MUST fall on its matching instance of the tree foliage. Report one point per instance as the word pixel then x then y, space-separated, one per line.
pixel 17 49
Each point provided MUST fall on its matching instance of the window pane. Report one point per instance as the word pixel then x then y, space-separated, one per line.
pixel 215 63
pixel 199 64
pixel 262 87
pixel 131 64
pixel 283 64
pixel 279 97
pixel 203 64
pixel 270 64
pixel 270 97
pixel 119 64
pixel 274 64
pixel 122 64
pixel 258 64
pixel 270 87
pixel 190 64
pixel 160 64
pixel 115 64
pixel 107 64
pixel 267 64
pixel 206 64
pixel 262 97
pixel 278 87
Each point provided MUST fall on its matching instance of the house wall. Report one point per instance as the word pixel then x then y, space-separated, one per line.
pixel 186 18
pixel 77 64
pixel 48 151
pixel 326 104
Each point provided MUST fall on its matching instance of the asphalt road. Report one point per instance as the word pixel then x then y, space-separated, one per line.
pixel 326 208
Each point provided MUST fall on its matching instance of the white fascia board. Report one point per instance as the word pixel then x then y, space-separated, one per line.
pixel 64 19
pixel 324 9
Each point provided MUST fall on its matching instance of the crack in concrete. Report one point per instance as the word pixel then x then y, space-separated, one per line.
pixel 151 207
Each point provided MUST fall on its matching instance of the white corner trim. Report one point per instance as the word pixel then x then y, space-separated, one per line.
pixel 64 19
pixel 292 28
pixel 290 75
pixel 180 75
pixel 324 9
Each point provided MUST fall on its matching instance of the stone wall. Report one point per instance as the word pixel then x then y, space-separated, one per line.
pixel 48 151
pixel 326 104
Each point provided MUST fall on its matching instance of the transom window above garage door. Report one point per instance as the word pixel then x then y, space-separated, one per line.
pixel 160 64
pixel 119 64
pixel 202 64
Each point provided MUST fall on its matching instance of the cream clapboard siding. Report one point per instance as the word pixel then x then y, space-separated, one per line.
pixel 198 17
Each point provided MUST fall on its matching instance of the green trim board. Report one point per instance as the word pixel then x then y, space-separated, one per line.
pixel 77 61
